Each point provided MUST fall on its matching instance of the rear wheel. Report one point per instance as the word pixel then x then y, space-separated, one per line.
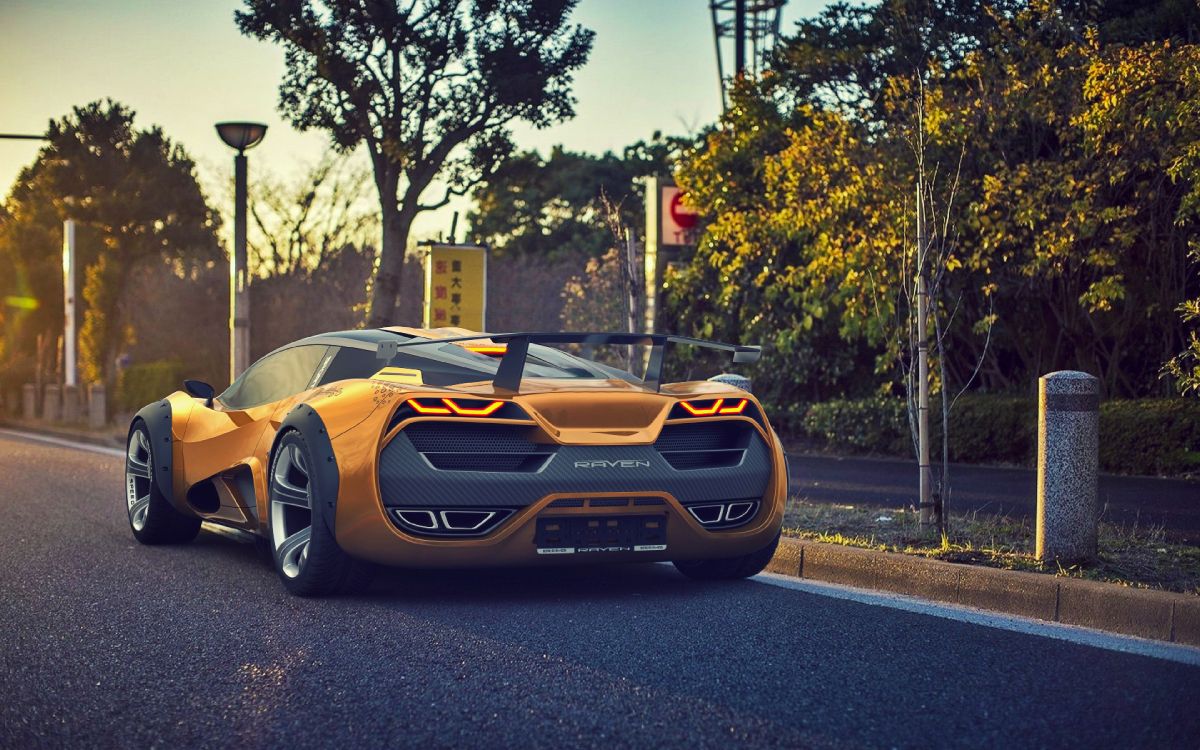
pixel 729 568
pixel 306 554
pixel 152 518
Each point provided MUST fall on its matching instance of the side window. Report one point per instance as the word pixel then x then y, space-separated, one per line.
pixel 351 363
pixel 274 377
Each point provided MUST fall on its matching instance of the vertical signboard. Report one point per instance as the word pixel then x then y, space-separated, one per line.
pixel 456 287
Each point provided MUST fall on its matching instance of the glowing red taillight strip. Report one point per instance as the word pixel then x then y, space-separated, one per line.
pixel 697 411
pixel 453 407
pixel 716 407
pixel 467 411
pixel 738 409
pixel 420 408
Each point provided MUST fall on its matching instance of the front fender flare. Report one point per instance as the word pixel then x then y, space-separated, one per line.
pixel 157 417
pixel 305 420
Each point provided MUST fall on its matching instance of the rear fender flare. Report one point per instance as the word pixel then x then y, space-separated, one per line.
pixel 305 420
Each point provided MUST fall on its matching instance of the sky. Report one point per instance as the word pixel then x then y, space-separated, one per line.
pixel 183 65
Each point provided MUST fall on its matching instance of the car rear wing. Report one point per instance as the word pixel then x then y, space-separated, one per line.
pixel 512 364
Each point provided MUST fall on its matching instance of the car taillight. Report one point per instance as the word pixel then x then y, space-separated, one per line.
pixel 458 407
pixel 711 407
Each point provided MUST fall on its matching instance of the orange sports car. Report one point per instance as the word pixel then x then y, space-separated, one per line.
pixel 450 448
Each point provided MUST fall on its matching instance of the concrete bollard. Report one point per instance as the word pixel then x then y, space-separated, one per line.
pixel 70 404
pixel 51 403
pixel 29 401
pixel 1068 461
pixel 97 407
pixel 729 378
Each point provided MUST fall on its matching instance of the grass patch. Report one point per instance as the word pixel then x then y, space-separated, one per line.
pixel 1138 556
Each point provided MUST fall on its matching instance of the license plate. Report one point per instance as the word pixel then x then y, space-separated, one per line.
pixel 570 535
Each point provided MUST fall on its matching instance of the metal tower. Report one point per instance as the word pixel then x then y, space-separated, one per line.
pixel 753 27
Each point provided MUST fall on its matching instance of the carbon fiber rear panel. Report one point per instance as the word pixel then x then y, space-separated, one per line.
pixel 408 473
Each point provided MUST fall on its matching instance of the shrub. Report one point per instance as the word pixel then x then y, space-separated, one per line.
pixel 876 424
pixel 143 383
pixel 985 428
pixel 1150 436
pixel 1138 436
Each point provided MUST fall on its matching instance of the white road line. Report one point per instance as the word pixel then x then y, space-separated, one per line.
pixel 1027 626
pixel 62 442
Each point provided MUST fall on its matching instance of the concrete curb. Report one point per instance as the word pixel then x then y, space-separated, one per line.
pixel 1159 615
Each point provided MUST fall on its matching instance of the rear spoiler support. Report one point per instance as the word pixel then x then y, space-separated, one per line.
pixel 512 365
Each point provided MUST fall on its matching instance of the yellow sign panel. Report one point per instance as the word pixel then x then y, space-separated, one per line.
pixel 456 286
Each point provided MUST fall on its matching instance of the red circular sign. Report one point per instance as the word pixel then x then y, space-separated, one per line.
pixel 684 217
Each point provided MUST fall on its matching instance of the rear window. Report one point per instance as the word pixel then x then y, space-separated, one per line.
pixel 450 364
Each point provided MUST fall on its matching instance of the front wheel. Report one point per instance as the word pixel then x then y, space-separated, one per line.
pixel 306 554
pixel 730 568
pixel 151 517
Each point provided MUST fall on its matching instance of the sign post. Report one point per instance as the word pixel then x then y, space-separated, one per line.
pixel 671 225
pixel 456 287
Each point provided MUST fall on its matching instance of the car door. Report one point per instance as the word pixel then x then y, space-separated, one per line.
pixel 230 433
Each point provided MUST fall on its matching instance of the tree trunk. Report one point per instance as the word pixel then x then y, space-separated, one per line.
pixel 389 273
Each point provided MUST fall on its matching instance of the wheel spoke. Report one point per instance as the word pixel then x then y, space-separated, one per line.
pixel 289 495
pixel 288 466
pixel 137 468
pixel 138 511
pixel 293 551
pixel 299 462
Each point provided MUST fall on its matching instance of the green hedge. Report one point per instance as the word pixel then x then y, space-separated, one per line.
pixel 1150 436
pixel 143 383
pixel 1142 436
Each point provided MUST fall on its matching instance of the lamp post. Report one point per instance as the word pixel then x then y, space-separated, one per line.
pixel 240 136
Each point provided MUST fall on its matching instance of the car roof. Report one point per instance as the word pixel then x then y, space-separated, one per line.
pixel 363 338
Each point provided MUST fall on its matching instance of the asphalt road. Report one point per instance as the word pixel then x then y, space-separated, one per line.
pixel 108 643
pixel 891 483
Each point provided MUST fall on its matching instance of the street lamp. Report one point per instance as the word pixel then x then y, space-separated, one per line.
pixel 240 136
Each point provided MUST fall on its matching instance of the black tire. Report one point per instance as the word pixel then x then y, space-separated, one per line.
pixel 730 568
pixel 322 568
pixel 152 518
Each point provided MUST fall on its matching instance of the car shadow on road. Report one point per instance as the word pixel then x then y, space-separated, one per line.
pixel 558 583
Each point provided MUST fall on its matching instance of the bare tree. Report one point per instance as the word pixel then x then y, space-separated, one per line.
pixel 430 86
pixel 297 227
pixel 924 273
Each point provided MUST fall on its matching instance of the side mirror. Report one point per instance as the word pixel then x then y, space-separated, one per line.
pixel 200 389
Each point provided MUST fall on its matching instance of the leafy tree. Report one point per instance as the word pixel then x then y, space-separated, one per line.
pixel 559 205
pixel 431 87
pixel 1069 243
pixel 134 196
pixel 551 207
